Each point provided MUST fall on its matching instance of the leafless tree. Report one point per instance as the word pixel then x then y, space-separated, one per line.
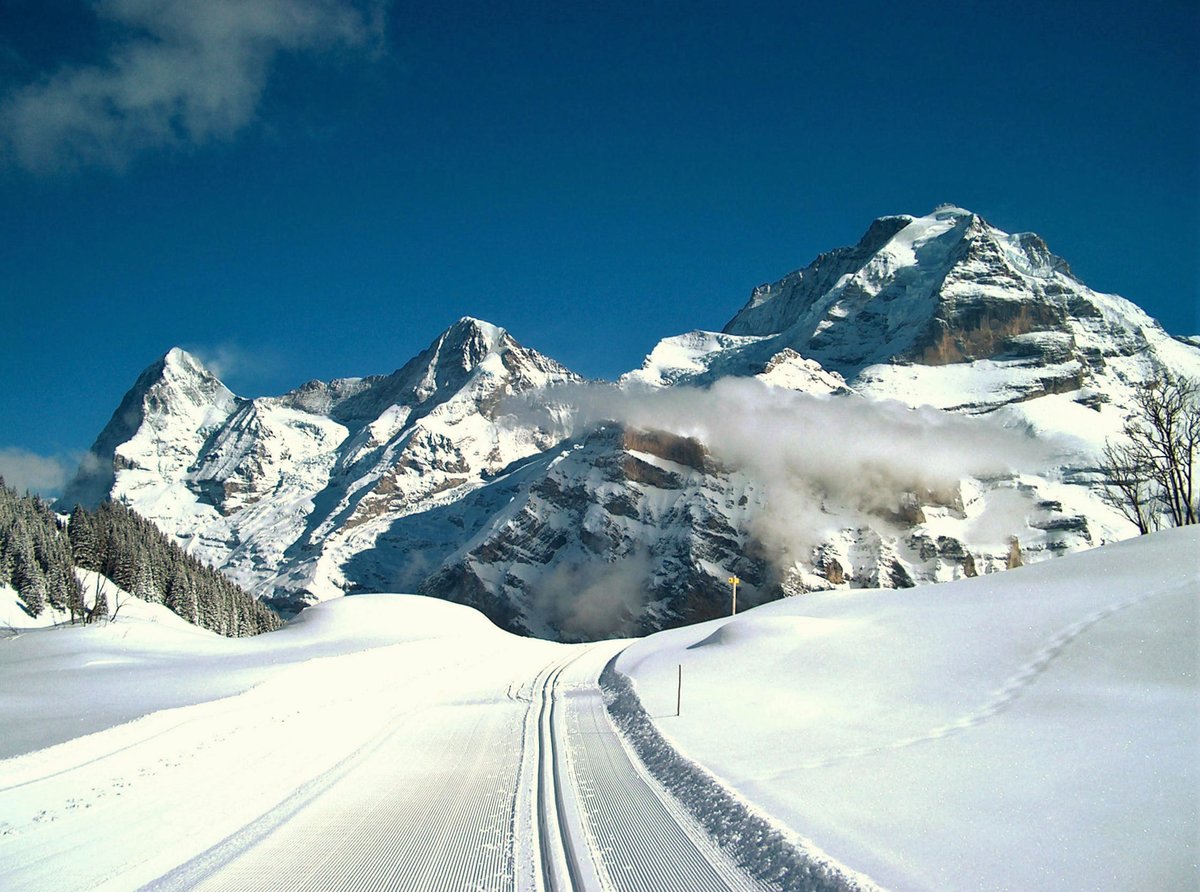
pixel 1151 470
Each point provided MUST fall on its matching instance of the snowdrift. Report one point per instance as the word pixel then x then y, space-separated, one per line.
pixel 1033 729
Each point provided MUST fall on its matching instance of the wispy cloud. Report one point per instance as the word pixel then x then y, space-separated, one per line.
pixel 811 453
pixel 231 360
pixel 185 72
pixel 44 474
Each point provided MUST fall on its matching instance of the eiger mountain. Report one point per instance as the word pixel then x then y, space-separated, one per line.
pixel 472 473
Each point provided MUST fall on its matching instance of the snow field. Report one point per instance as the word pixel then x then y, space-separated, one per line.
pixel 454 757
pixel 182 781
pixel 431 807
pixel 192 777
pixel 1033 729
pixel 743 834
pixel 1029 730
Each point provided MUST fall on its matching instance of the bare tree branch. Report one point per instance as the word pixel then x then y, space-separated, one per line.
pixel 1151 471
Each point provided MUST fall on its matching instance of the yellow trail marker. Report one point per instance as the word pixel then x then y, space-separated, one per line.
pixel 734 581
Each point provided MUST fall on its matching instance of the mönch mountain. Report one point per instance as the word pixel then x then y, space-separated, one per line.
pixel 927 404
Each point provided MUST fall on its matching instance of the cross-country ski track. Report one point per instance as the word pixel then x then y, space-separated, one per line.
pixel 491 767
pixel 529 789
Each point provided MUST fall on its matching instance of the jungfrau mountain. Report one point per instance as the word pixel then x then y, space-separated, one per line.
pixel 477 473
pixel 943 310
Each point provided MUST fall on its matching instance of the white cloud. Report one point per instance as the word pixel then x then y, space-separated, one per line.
pixel 809 452
pixel 23 470
pixel 593 599
pixel 187 72
pixel 227 360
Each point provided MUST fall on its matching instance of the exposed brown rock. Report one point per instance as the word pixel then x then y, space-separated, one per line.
pixel 982 330
pixel 834 572
pixel 681 450
pixel 1014 553
pixel 638 471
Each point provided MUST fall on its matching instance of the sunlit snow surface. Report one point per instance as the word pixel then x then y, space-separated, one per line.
pixel 1036 729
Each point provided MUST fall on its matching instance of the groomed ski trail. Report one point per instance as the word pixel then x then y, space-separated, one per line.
pixel 432 804
pixel 495 770
pixel 640 838
pixel 533 792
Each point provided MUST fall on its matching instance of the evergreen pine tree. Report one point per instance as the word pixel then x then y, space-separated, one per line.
pixel 99 607
pixel 181 597
pixel 74 595
pixel 30 581
pixel 82 533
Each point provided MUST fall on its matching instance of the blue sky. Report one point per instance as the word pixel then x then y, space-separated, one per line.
pixel 298 189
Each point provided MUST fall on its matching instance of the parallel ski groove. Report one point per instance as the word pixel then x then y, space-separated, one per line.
pixel 445 825
pixel 642 844
pixel 560 862
pixel 492 793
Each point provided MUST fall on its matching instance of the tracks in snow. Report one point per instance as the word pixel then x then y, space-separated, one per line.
pixel 510 784
pixel 563 867
pixel 1003 697
pixel 606 824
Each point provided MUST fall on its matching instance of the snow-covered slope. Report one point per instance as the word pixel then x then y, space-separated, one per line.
pixel 156 433
pixel 1032 730
pixel 1038 729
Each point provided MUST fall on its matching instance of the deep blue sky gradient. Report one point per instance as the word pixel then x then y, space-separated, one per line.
pixel 591 176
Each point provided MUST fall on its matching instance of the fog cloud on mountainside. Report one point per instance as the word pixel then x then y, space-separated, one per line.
pixel 591 600
pixel 42 474
pixel 230 359
pixel 855 455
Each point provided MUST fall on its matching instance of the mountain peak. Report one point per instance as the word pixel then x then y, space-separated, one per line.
pixel 460 357
pixel 179 356
pixel 468 341
pixel 882 299
pixel 174 399
pixel 949 209
pixel 180 376
pixel 472 324
pixel 180 359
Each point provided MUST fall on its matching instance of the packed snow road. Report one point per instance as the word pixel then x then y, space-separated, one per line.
pixel 643 840
pixel 455 761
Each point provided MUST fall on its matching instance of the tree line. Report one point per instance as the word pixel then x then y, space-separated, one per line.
pixel 39 553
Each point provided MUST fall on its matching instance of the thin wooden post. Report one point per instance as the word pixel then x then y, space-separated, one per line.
pixel 679 692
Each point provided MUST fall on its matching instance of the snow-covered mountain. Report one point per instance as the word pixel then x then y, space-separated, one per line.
pixel 485 473
pixel 279 491
pixel 943 309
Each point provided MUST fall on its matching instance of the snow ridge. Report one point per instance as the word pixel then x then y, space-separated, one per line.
pixel 747 836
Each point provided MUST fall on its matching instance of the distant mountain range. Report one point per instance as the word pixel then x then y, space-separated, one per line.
pixel 926 404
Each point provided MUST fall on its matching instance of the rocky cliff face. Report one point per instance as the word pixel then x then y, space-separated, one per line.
pixel 430 480
pixel 622 531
